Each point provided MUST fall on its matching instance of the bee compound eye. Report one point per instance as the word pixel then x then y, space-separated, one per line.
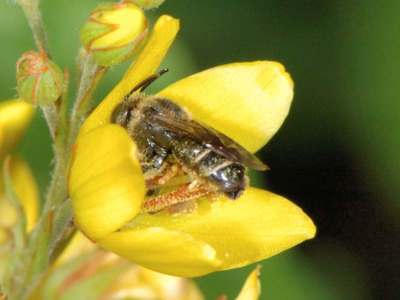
pixel 120 115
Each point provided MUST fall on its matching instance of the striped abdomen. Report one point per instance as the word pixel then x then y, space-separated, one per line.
pixel 228 176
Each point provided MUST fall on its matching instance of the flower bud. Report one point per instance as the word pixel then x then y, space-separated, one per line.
pixel 39 80
pixel 113 32
pixel 149 4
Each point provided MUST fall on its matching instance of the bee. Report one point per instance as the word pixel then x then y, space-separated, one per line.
pixel 176 150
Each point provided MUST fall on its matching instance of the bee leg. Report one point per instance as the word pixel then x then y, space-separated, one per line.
pixel 184 207
pixel 162 179
pixel 183 194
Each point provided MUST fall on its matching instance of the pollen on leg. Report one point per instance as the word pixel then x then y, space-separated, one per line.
pixel 183 194
pixel 184 207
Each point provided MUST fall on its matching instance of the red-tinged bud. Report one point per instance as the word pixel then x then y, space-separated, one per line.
pixel 39 80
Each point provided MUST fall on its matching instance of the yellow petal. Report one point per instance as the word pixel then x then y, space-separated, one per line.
pixel 163 250
pixel 15 116
pixel 26 189
pixel 246 101
pixel 252 288
pixel 146 64
pixel 8 215
pixel 127 22
pixel 256 226
pixel 171 287
pixel 141 283
pixel 106 183
pixel 129 286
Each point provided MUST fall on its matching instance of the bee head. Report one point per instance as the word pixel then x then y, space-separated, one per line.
pixel 124 112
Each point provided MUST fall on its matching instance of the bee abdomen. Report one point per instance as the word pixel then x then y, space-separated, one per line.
pixel 187 151
pixel 229 177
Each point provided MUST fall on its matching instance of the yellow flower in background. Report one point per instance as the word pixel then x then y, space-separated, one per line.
pixel 82 266
pixel 26 189
pixel 85 272
pixel 248 102
pixel 141 283
pixel 251 289
pixel 15 116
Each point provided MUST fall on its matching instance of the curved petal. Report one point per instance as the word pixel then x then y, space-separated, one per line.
pixel 246 101
pixel 141 283
pixel 146 64
pixel 252 288
pixel 171 287
pixel 26 189
pixel 254 227
pixel 15 116
pixel 125 23
pixel 163 250
pixel 106 184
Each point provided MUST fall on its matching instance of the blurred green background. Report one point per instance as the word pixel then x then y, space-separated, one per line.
pixel 338 153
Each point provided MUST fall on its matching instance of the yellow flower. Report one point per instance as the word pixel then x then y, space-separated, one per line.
pixel 25 187
pixel 86 271
pixel 141 283
pixel 251 289
pixel 247 102
pixel 15 116
pixel 113 32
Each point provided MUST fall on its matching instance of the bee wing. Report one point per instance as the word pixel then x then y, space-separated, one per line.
pixel 212 139
pixel 242 155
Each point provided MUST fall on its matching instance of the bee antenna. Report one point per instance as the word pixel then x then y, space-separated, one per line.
pixel 162 71
pixel 141 86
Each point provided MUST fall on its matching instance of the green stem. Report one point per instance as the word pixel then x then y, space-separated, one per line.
pixel 90 76
pixel 54 217
pixel 51 115
pixel 55 226
pixel 57 191
pixel 34 17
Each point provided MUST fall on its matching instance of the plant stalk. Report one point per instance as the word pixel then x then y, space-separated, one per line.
pixel 34 17
pixel 55 226
pixel 90 76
